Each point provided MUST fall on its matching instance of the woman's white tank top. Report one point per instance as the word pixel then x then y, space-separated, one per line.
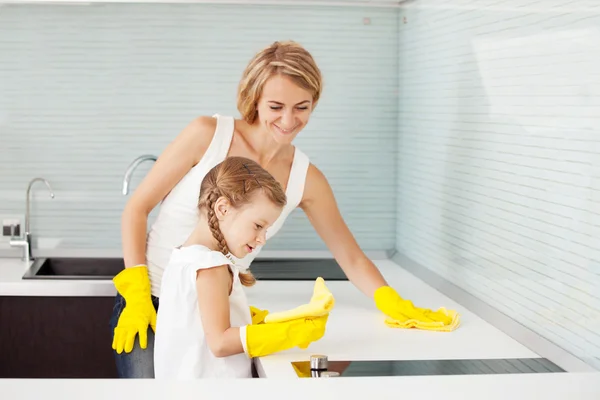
pixel 178 213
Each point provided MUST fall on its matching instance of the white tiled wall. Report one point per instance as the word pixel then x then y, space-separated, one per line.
pixel 86 89
pixel 499 157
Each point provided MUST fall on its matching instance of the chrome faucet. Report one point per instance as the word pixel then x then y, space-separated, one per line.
pixel 134 164
pixel 26 241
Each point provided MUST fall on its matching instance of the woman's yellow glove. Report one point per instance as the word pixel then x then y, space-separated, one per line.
pixel 134 285
pixel 258 315
pixel 264 339
pixel 389 302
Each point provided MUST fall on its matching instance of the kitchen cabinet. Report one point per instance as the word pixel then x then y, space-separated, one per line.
pixel 56 337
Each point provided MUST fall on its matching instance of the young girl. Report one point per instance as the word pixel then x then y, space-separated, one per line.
pixel 204 324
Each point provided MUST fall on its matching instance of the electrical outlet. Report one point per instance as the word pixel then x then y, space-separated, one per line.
pixel 12 226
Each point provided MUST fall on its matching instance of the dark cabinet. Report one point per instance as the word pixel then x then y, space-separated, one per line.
pixel 56 337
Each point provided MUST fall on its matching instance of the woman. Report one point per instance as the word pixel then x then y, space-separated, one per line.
pixel 279 89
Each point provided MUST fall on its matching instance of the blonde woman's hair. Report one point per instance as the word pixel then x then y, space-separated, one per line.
pixel 286 58
pixel 236 179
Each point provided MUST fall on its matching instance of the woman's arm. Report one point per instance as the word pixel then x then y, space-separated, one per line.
pixel 213 288
pixel 176 160
pixel 318 202
pixel 320 206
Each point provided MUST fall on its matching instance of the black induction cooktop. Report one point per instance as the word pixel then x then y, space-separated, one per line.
pixel 433 367
pixel 298 269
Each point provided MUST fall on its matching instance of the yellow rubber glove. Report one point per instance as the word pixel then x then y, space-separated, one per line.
pixel 321 303
pixel 134 285
pixel 258 315
pixel 265 339
pixel 389 302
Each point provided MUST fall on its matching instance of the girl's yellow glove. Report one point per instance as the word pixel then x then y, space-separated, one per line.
pixel 265 339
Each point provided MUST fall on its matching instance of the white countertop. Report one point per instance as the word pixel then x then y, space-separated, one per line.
pixel 12 284
pixel 12 270
pixel 355 331
pixel 580 386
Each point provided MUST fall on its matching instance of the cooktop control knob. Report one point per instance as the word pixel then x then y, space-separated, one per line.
pixel 318 362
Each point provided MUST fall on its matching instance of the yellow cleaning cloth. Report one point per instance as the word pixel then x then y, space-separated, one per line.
pixel 321 303
pixel 427 325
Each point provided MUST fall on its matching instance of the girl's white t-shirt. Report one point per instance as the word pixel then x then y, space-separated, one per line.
pixel 180 347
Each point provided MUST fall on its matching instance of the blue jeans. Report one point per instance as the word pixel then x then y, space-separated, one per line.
pixel 140 362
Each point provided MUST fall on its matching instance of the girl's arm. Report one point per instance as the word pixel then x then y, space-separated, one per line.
pixel 213 286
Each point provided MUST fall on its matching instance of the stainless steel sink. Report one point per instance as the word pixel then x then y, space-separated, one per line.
pixel 74 268
pixel 296 269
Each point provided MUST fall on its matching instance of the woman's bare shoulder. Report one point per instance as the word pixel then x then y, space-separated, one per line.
pixel 204 127
pixel 198 134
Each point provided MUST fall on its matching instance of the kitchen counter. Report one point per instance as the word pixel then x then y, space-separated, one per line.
pixel 355 331
pixel 12 284
pixel 13 268
pixel 580 386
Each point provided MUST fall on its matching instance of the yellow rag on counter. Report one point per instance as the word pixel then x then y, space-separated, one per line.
pixel 427 325
pixel 320 304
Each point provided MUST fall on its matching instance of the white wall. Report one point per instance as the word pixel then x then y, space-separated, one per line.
pixel 499 158
pixel 84 90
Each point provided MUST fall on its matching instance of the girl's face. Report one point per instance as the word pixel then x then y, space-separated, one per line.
pixel 245 228
pixel 284 108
